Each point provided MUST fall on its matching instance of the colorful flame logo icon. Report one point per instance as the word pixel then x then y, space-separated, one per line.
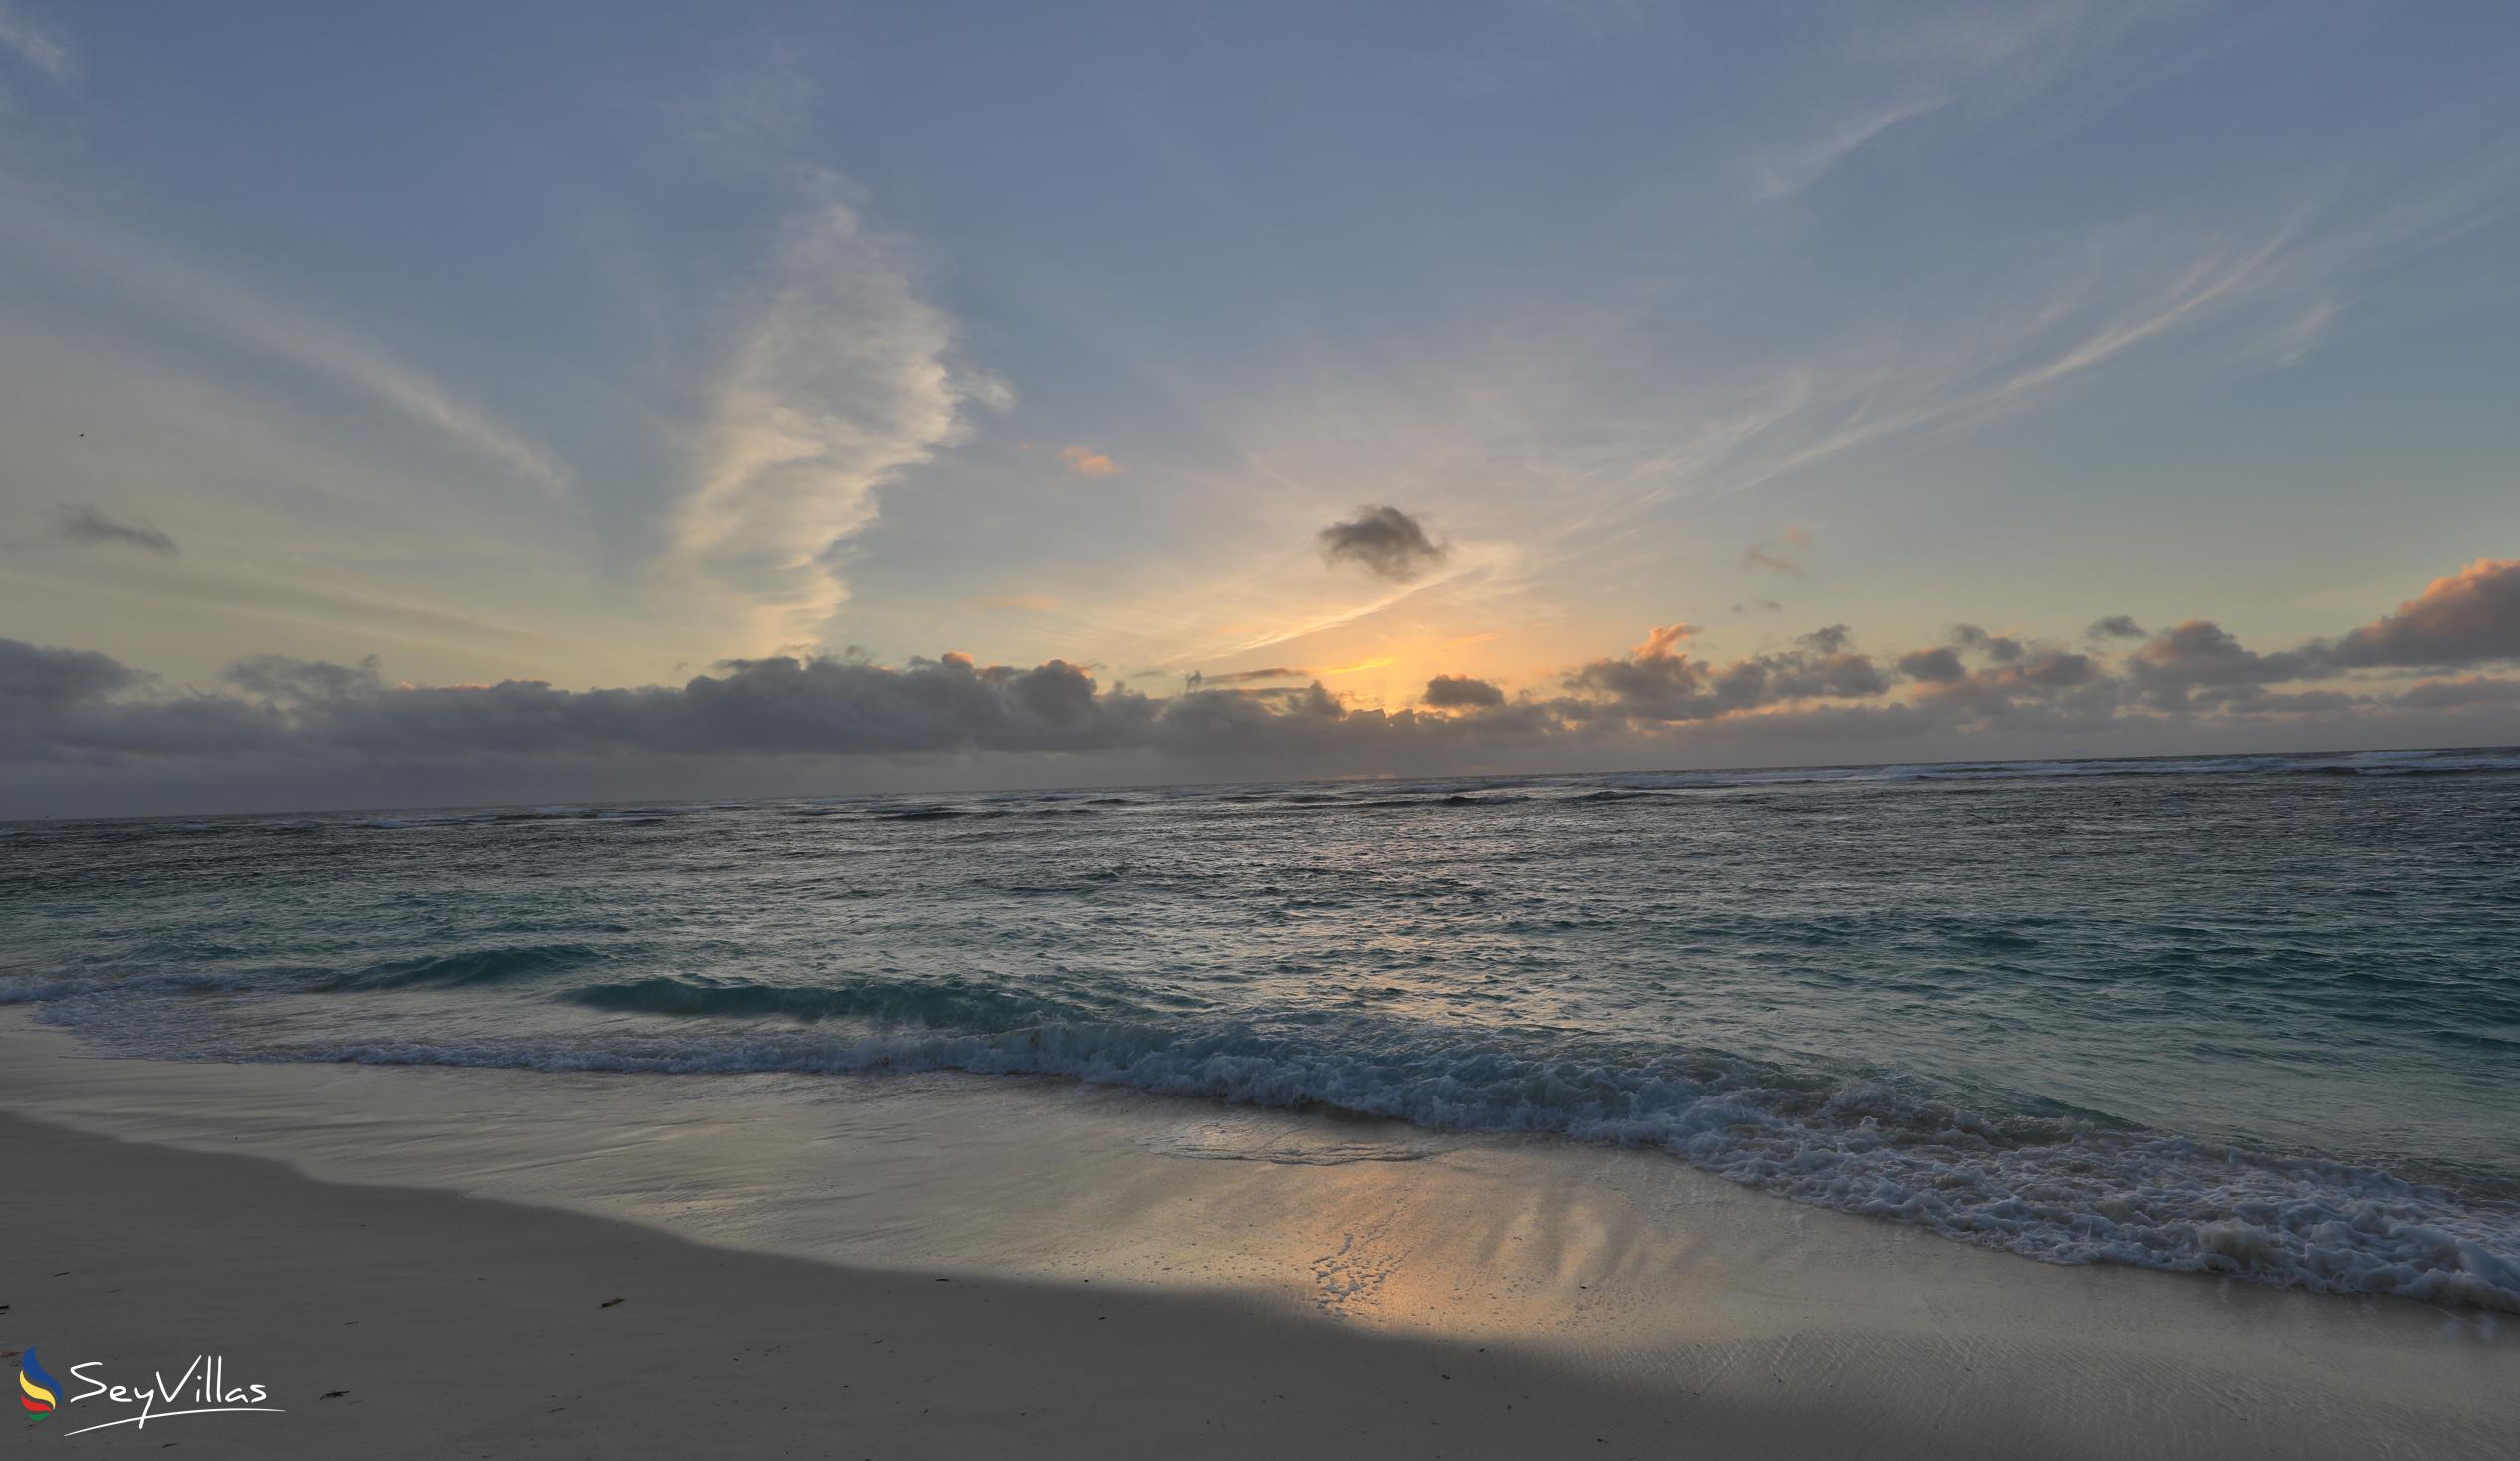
pixel 40 1392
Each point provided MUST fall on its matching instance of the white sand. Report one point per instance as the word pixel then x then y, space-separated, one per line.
pixel 1124 1277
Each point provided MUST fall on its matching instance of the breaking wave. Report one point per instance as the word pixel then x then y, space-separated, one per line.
pixel 2050 1190
pixel 2059 1187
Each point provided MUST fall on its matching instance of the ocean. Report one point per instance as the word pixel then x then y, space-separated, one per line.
pixel 2249 1015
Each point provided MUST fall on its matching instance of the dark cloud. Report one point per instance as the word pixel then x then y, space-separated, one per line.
pixel 811 707
pixel 1649 687
pixel 2468 617
pixel 1656 685
pixel 2114 626
pixel 285 724
pixel 2201 654
pixel 1997 647
pixel 1460 692
pixel 1251 676
pixel 289 681
pixel 2051 687
pixel 32 677
pixel 1934 667
pixel 2057 670
pixel 2475 690
pixel 59 705
pixel 97 528
pixel 1383 541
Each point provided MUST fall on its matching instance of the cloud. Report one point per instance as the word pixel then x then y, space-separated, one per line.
pixel 1782 554
pixel 1934 667
pixel 39 44
pixel 1384 540
pixel 73 705
pixel 2460 694
pixel 1998 647
pixel 316 349
pixel 2466 618
pixel 828 706
pixel 839 384
pixel 70 706
pixel 287 719
pixel 1083 462
pixel 31 676
pixel 183 589
pixel 2056 670
pixel 2114 626
pixel 1460 692
pixel 2053 689
pixel 2037 319
pixel 1657 683
pixel 1663 642
pixel 2295 343
pixel 93 526
pixel 2201 654
pixel 1790 174
pixel 279 678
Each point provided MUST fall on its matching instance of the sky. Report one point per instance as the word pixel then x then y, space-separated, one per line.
pixel 461 404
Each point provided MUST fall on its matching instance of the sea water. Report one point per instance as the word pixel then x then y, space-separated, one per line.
pixel 2256 1015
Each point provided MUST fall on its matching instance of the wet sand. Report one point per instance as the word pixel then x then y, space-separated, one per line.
pixel 957 1266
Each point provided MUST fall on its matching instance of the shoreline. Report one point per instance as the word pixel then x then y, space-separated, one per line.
pixel 401 1322
pixel 1614 1295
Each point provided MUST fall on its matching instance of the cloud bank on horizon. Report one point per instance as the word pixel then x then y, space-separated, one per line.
pixel 2418 671
pixel 1297 408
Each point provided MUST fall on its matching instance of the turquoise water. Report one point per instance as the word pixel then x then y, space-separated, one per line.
pixel 2255 1015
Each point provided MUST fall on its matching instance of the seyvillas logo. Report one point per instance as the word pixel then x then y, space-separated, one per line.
pixel 39 1393
pixel 203 1388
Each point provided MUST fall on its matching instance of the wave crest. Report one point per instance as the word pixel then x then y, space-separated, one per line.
pixel 2052 1190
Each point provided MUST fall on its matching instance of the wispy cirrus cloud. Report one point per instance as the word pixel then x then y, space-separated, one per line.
pixel 839 377
pixel 839 382
pixel 1783 177
pixel 38 43
pixel 174 290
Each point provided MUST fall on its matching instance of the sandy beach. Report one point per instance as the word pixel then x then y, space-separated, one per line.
pixel 1531 730
pixel 424 1262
